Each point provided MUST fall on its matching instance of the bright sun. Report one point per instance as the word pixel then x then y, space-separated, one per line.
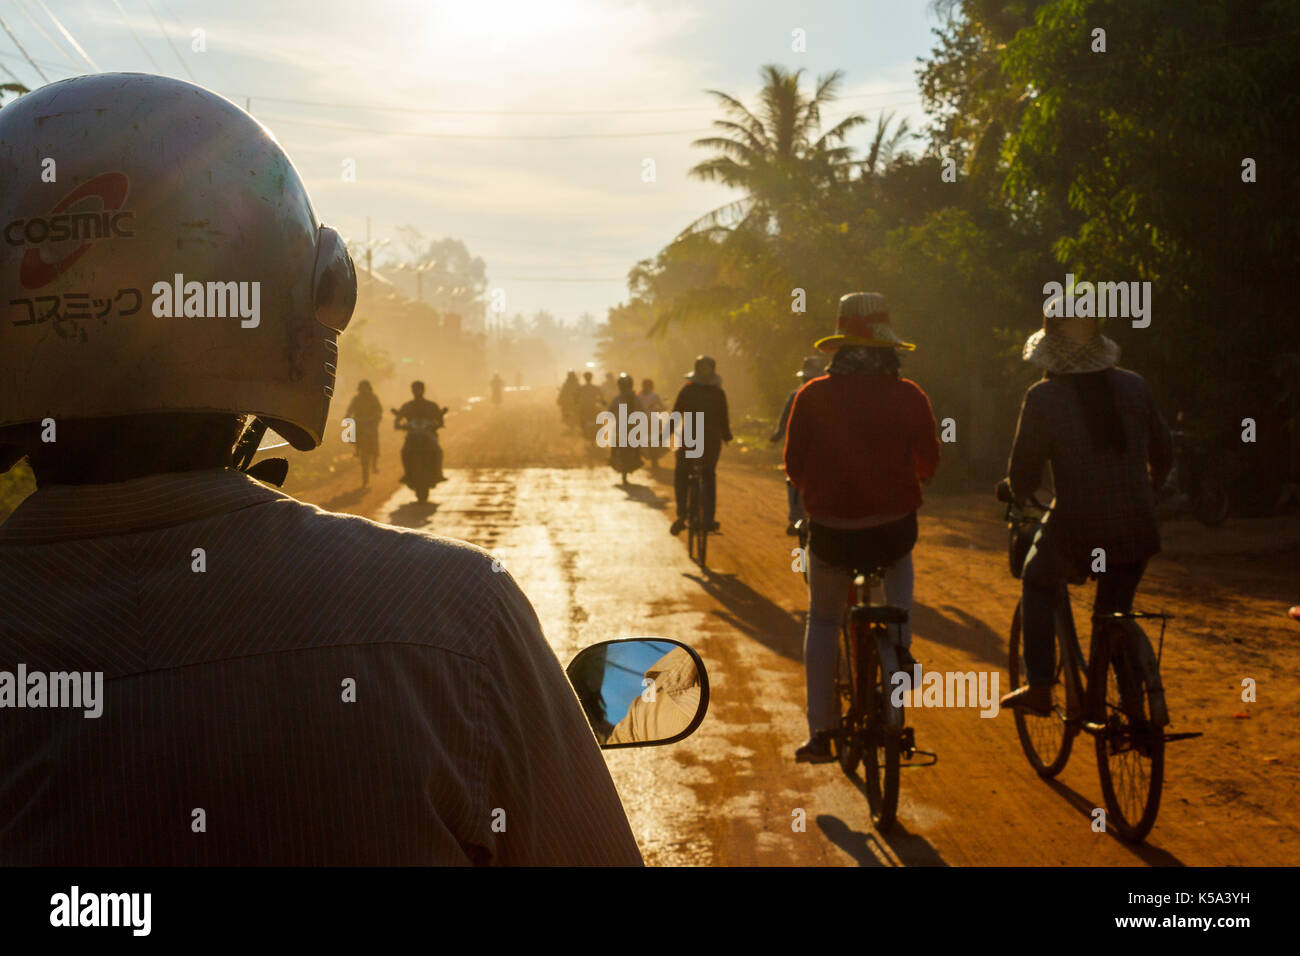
pixel 500 25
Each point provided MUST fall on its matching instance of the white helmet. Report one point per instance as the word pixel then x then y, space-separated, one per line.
pixel 158 253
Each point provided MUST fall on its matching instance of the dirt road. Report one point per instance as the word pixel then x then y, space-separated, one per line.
pixel 598 563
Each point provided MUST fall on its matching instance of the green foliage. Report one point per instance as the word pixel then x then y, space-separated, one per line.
pixel 1123 165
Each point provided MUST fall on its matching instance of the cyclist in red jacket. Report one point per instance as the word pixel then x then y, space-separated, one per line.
pixel 859 442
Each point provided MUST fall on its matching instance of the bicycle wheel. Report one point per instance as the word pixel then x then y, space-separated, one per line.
pixel 880 743
pixel 1046 741
pixel 848 744
pixel 1130 751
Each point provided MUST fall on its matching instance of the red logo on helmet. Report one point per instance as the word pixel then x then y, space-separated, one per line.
pixel 110 188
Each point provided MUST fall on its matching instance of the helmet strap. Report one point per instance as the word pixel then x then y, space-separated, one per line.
pixel 273 471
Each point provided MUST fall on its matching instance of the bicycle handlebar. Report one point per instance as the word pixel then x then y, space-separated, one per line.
pixel 1003 494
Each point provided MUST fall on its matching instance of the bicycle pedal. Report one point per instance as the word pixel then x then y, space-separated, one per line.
pixel 933 759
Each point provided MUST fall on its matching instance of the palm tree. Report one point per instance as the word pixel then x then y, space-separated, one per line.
pixel 776 154
pixel 884 145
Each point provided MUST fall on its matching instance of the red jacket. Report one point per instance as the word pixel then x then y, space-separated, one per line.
pixel 857 446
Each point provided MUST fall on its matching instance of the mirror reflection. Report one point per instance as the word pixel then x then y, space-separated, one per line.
pixel 640 692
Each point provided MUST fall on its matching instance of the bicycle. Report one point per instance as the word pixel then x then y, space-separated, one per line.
pixel 697 531
pixel 873 729
pixel 1115 695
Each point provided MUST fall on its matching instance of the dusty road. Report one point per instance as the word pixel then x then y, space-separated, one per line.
pixel 598 563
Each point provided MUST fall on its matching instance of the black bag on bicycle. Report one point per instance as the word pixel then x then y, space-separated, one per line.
pixel 1021 538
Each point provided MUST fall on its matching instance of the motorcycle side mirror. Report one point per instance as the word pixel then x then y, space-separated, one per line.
pixel 1004 492
pixel 640 692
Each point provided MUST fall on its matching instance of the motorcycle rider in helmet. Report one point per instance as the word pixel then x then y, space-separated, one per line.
pixel 265 682
pixel 420 450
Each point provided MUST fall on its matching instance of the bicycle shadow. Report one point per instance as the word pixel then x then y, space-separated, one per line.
pixel 1148 854
pixel 645 495
pixel 967 633
pixel 751 613
pixel 870 848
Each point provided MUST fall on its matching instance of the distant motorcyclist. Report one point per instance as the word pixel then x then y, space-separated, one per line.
pixel 591 402
pixel 498 386
pixel 624 460
pixel 812 367
pixel 421 452
pixel 367 412
pixel 568 400
pixel 702 393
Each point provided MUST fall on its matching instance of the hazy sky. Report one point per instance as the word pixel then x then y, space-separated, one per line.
pixel 515 125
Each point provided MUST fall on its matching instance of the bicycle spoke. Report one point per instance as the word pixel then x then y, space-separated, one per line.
pixel 1130 747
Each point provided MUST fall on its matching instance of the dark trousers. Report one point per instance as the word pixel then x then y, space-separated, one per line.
pixel 682 480
pixel 1044 575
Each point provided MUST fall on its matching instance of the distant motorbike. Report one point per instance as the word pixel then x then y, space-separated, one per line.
pixel 421 454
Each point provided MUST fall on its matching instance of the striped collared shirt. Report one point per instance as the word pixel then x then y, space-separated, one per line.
pixel 281 685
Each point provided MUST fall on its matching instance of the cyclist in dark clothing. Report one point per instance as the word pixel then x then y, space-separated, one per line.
pixel 701 394
pixel 1098 427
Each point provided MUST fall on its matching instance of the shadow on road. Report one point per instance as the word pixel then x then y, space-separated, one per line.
pixel 966 633
pixel 413 514
pixel 753 614
pixel 1150 855
pixel 345 499
pixel 644 494
pixel 869 847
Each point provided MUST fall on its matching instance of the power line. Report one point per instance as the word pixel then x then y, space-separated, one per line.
pixel 513 136
pixel 167 37
pixel 391 132
pixel 68 36
pixel 41 30
pixel 137 37
pixel 23 50
pixel 477 112
pixel 209 62
pixel 14 76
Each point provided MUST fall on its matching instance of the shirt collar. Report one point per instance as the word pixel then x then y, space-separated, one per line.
pixel 68 512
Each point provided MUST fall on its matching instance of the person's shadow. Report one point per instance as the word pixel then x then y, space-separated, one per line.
pixel 753 614
pixel 413 514
pixel 644 494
